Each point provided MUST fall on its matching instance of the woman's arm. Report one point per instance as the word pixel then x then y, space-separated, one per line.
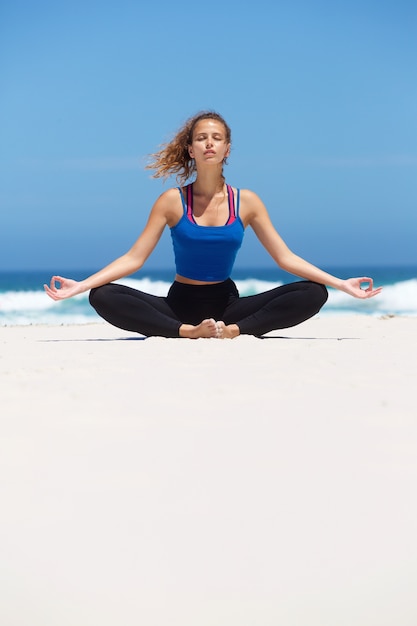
pixel 254 213
pixel 162 213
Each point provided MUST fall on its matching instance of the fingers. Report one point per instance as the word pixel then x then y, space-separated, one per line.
pixel 51 293
pixel 366 280
pixel 54 280
pixel 367 291
pixel 52 290
pixel 370 292
pixel 374 292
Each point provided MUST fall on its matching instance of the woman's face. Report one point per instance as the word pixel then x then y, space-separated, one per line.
pixel 209 144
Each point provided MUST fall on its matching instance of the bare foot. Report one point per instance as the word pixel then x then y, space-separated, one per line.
pixel 207 328
pixel 227 332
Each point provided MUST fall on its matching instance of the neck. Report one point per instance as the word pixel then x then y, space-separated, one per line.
pixel 209 182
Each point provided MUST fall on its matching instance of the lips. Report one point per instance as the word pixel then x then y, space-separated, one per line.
pixel 209 152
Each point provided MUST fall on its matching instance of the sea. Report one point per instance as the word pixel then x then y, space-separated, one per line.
pixel 23 301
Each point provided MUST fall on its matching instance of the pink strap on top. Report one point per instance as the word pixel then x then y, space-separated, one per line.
pixel 190 213
pixel 232 212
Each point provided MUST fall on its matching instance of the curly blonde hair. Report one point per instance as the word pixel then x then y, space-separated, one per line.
pixel 174 158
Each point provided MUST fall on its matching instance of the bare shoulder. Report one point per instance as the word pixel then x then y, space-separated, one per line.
pixel 172 192
pixel 169 205
pixel 169 196
pixel 251 206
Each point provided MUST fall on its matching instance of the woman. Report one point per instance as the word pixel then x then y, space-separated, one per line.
pixel 207 220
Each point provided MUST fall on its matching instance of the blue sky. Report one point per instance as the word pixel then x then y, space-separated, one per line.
pixel 321 97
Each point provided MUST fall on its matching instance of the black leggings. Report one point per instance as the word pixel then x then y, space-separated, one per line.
pixel 150 315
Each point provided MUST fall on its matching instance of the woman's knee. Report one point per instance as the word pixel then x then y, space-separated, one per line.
pixel 320 293
pixel 99 295
pixel 317 296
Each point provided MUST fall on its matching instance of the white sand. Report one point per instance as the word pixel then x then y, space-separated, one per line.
pixel 251 482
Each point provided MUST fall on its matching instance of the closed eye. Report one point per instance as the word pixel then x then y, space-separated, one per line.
pixel 203 137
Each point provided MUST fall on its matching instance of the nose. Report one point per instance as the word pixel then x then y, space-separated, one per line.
pixel 209 142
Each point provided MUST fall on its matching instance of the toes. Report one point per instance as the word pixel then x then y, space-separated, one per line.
pixel 211 326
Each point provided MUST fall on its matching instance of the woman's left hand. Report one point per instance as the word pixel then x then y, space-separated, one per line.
pixel 353 286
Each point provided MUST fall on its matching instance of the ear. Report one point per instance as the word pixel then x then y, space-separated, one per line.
pixel 190 151
pixel 227 151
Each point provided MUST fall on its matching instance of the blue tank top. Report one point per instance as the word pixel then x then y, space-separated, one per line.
pixel 206 253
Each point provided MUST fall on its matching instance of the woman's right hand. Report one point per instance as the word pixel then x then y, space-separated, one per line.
pixel 67 288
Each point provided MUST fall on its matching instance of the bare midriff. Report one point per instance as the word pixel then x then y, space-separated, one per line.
pixel 191 281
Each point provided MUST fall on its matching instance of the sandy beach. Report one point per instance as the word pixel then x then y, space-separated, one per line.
pixel 252 482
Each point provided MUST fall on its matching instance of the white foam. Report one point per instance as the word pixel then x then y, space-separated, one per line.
pixel 22 308
pixel 154 287
pixel 13 301
pixel 251 286
pixel 399 299
pixel 34 307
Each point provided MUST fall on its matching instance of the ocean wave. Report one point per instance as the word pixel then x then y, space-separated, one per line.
pixel 397 299
pixel 34 307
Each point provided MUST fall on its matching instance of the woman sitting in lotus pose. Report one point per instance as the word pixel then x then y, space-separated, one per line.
pixel 207 219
